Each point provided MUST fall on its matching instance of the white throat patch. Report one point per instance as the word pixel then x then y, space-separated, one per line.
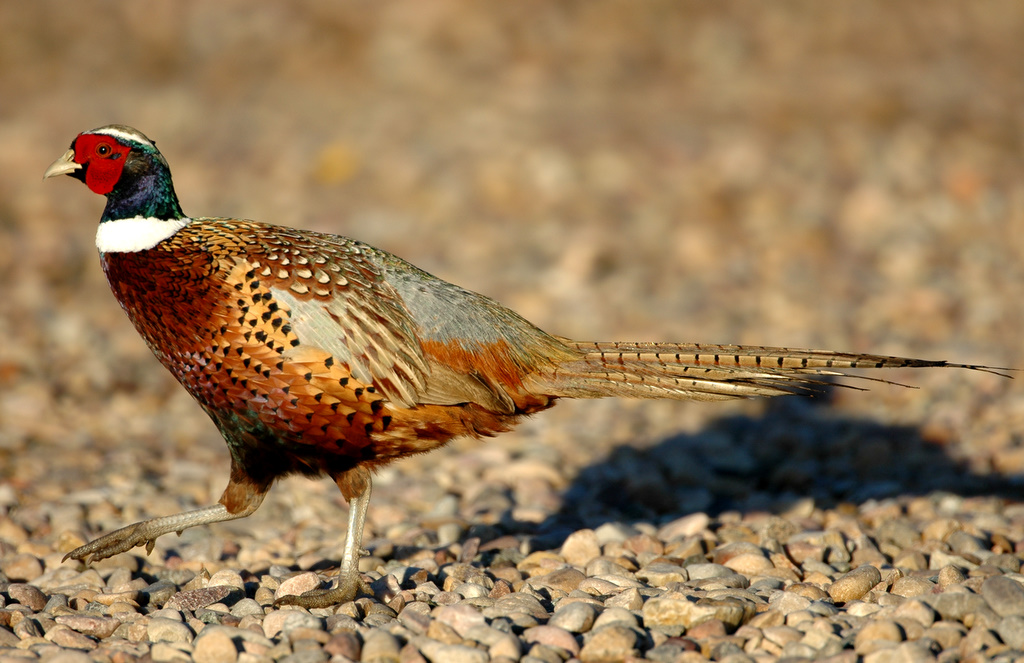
pixel 135 234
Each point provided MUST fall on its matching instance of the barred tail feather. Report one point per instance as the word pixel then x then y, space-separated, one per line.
pixel 694 371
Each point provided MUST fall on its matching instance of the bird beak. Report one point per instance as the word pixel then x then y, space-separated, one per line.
pixel 63 166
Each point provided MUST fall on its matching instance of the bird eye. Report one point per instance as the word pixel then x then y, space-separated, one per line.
pixel 103 149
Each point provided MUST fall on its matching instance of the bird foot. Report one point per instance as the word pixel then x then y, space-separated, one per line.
pixel 116 542
pixel 349 587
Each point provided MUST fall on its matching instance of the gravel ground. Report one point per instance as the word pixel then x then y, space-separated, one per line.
pixel 842 175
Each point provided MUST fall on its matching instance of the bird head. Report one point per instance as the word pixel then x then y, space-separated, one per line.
pixel 124 165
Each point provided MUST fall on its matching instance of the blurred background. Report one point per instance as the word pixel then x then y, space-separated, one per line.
pixel 840 175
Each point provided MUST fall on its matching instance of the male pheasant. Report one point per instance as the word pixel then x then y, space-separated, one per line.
pixel 316 354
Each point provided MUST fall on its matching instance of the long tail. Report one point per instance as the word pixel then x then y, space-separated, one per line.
pixel 694 371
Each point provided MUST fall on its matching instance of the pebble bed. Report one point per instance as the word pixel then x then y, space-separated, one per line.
pixel 930 578
pixel 843 176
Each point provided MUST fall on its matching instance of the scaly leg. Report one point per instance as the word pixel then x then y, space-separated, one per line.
pixel 355 486
pixel 241 498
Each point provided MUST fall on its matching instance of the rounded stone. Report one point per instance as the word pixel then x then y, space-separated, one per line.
pixel 436 652
pixel 918 611
pixel 297 585
pixel 94 625
pixel 789 602
pixel 226 577
pixel 1011 631
pixel 214 645
pixel 566 579
pixel 22 567
pixel 955 606
pixel 460 617
pixel 552 636
pixel 951 575
pixel 344 643
pixel 283 621
pixel 576 617
pixel 611 643
pixel 65 637
pixel 855 584
pixel 660 574
pixel 690 525
pixel 629 599
pixel 884 630
pixel 581 547
pixel 247 607
pixel 27 595
pixel 750 564
pixel 66 656
pixel 1004 595
pixel 380 646
pixel 618 616
pixel 908 586
pixel 161 629
pixel 682 612
pixel 704 570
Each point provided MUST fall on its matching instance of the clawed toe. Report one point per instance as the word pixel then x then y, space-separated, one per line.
pixel 347 590
pixel 116 542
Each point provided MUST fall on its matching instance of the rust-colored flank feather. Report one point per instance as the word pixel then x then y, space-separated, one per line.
pixel 316 354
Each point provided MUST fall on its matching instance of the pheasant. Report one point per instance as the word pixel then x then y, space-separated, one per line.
pixel 316 354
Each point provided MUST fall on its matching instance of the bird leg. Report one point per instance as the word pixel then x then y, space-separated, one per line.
pixel 355 486
pixel 241 498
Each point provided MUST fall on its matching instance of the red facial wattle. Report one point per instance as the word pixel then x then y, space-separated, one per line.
pixel 104 158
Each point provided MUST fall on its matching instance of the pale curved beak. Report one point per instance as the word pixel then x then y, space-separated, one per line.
pixel 63 166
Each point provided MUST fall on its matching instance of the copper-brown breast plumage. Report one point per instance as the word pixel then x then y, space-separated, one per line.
pixel 210 302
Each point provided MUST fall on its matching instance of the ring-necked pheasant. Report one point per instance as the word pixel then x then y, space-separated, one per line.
pixel 316 354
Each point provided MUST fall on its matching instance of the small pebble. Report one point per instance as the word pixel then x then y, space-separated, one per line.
pixel 580 547
pixel 611 643
pixel 21 567
pixel 27 595
pixel 951 575
pixel 1004 595
pixel 214 645
pixel 855 584
pixel 160 629
pixel 553 636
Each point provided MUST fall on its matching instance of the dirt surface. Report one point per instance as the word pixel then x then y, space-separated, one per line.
pixel 838 175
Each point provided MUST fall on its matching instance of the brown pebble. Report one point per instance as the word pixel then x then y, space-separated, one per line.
pixel 22 567
pixel 297 585
pixel 951 575
pixel 885 630
pixel 214 645
pixel 808 590
pixel 939 529
pixel 629 599
pixel 438 630
pixel 855 584
pixel 344 643
pixel 96 626
pixel 708 629
pixel 380 647
pixel 581 547
pixel 27 595
pixel 66 637
pixel 565 579
pixel 686 526
pixel 460 618
pixel 552 636
pixel 908 586
pixel 501 588
pixel 611 643
pixel 749 564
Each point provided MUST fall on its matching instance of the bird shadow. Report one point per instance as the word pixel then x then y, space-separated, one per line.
pixel 798 449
